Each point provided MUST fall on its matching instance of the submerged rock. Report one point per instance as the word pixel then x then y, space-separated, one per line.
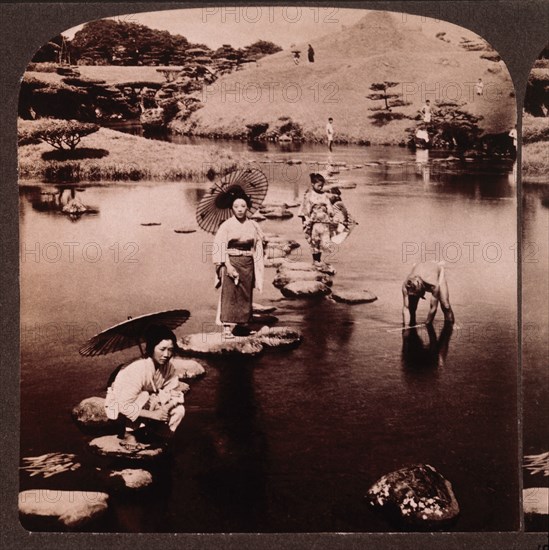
pixel 111 445
pixel 353 297
pixel 417 496
pixel 133 478
pixel 68 509
pixel 305 289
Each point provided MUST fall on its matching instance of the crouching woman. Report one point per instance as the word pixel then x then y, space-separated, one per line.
pixel 144 392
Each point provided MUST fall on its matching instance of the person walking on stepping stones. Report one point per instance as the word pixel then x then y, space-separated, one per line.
pixel 317 216
pixel 426 277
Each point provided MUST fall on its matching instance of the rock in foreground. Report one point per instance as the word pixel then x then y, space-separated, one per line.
pixel 68 509
pixel 536 500
pixel 353 297
pixel 417 496
pixel 133 478
pixel 90 414
pixel 286 277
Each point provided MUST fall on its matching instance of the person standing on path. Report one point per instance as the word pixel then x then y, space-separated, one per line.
pixel 330 133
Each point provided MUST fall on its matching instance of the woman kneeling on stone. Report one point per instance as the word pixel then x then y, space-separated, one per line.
pixel 238 258
pixel 145 391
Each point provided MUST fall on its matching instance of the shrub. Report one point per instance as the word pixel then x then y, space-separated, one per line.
pixel 61 134
pixel 42 67
pixel 535 129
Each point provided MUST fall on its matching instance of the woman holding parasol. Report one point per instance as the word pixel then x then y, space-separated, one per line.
pixel 238 245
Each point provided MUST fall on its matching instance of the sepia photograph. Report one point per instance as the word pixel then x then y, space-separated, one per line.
pixel 535 294
pixel 272 279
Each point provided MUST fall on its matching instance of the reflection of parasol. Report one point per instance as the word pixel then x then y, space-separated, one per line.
pixel 131 332
pixel 215 206
pixel 345 223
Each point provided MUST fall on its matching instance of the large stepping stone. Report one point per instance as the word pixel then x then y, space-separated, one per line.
pixel 284 244
pixel 305 289
pixel 341 185
pixel 264 319
pixel 284 278
pixel 185 230
pixel 273 262
pixel 307 266
pixel 70 510
pixel 258 217
pixel 110 445
pixel 133 478
pixel 417 496
pixel 353 297
pixel 187 369
pixel 214 343
pixel 278 214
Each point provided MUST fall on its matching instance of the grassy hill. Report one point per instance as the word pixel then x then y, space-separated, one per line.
pixel 378 47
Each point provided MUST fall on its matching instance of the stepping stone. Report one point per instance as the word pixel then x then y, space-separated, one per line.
pixel 68 509
pixel 214 343
pixel 185 230
pixel 109 445
pixel 90 414
pixel 416 496
pixel 258 217
pixel 307 266
pixel 535 500
pixel 353 297
pixel 264 319
pixel 284 278
pixel 133 478
pixel 341 185
pixel 305 289
pixel 278 337
pixel 149 224
pixel 187 369
pixel 273 262
pixel 258 308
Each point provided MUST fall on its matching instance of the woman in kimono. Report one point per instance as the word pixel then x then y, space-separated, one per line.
pixel 145 390
pixel 238 259
pixel 317 217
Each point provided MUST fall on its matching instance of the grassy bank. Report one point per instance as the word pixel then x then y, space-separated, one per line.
pixel 535 155
pixel 114 156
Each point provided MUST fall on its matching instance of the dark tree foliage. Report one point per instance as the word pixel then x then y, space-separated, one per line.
pixel 60 134
pixel 382 91
pixel 49 52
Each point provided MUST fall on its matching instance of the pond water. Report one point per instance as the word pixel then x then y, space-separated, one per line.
pixel 290 441
pixel 535 342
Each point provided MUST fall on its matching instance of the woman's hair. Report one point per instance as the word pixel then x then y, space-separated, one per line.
pixel 154 335
pixel 414 286
pixel 244 197
pixel 315 176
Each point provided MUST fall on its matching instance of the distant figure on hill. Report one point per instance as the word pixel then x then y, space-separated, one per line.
pixel 330 133
pixel 296 56
pixel 311 54
pixel 426 277
pixel 479 87
pixel 426 111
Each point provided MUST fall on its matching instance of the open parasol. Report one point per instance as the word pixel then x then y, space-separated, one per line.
pixel 131 332
pixel 215 206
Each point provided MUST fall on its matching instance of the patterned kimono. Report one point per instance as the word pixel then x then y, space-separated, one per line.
pixel 241 243
pixel 316 214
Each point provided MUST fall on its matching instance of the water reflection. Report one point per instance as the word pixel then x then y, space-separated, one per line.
pixel 64 200
pixel 236 480
pixel 420 356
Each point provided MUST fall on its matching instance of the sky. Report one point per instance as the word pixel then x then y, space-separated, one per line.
pixel 242 25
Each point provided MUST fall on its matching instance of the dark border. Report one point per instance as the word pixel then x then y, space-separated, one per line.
pixel 517 29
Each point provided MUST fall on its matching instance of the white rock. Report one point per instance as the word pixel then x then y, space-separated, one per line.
pixel 134 478
pixel 71 509
pixel 187 369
